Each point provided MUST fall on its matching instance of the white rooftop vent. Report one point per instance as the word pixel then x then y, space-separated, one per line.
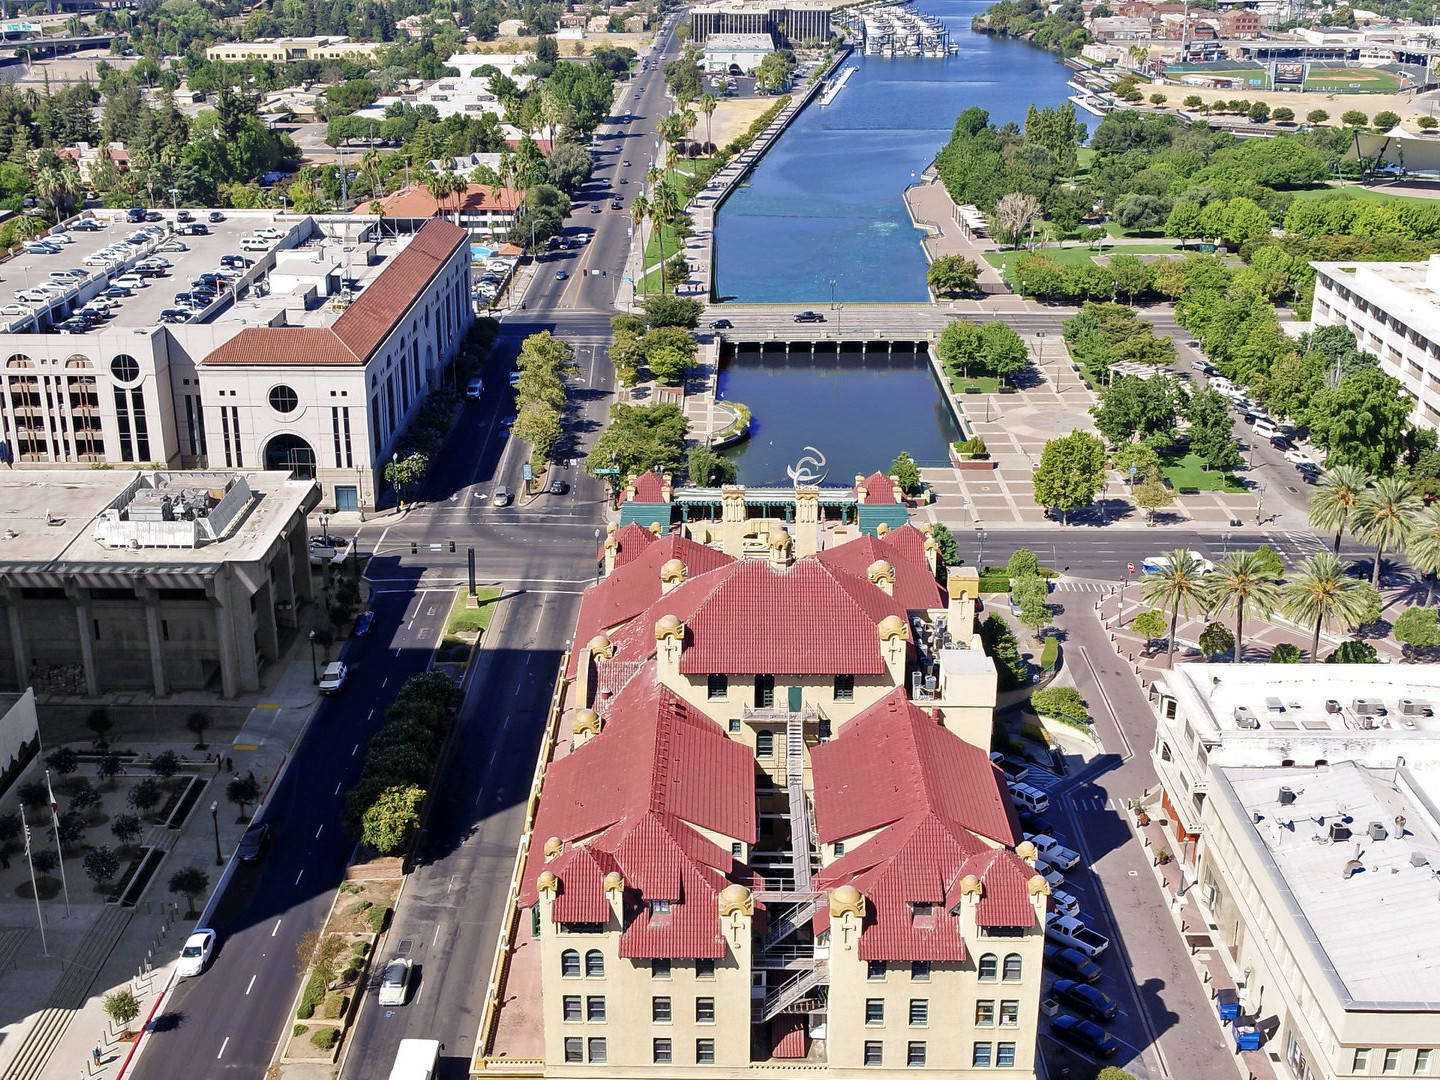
pixel 1411 707
pixel 1244 718
pixel 1368 707
pixel 1377 831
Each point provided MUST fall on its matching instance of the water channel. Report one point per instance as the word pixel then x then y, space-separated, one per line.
pixel 825 204
pixel 825 201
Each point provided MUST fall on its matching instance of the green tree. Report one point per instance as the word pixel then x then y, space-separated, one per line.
pixel 404 473
pixel 1422 546
pixel 1418 628
pixel 1152 494
pixel 952 275
pixel 392 819
pixel 945 539
pixel 1270 562
pixel 101 866
pixel 1353 652
pixel 706 468
pixel 667 364
pixel 1023 564
pixel 243 791
pixel 1193 101
pixel 125 828
pixel 1216 640
pixel 1354 118
pixel 145 795
pixel 1285 653
pixel 1282 115
pixel 1179 586
pixel 165 764
pixel 1316 116
pixel 1004 350
pixel 1386 120
pixel 63 760
pixel 906 473
pixel 1362 421
pixel 1243 580
pixel 681 311
pixel 1132 407
pixel 1071 473
pixel 122 1007
pixel 1212 431
pixel 1149 624
pixel 107 768
pixel 1259 112
pixel 961 345
pixel 1136 460
pixel 1383 517
pixel 1336 498
pixel 191 883
pixel 1321 594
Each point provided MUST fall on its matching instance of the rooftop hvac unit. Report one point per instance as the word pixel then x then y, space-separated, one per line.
pixel 1377 831
pixel 1287 796
pixel 1411 707
pixel 1418 859
pixel 1339 832
pixel 1368 707
pixel 1332 706
pixel 1244 718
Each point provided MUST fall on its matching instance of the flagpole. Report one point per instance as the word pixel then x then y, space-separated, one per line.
pixel 55 819
pixel 33 887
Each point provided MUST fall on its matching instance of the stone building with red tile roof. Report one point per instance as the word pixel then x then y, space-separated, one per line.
pixel 769 831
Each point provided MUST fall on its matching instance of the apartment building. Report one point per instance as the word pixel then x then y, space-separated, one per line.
pixel 1394 310
pixel 1303 803
pixel 484 211
pixel 313 359
pixel 761 841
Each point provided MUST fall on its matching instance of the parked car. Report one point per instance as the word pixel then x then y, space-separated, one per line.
pixel 809 316
pixel 1014 770
pixel 87 225
pixel 135 214
pixel 1063 903
pixel 333 677
pixel 1055 853
pixel 559 487
pixel 216 217
pixel 254 842
pixel 13 310
pixel 118 292
pixel 1072 962
pixel 1085 1034
pixel 365 623
pixel 395 982
pixel 184 215
pixel 1049 873
pixel 1069 931
pixel 1155 563
pixel 131 281
pixel 195 953
pixel 1028 797
pixel 1085 999
pixel 237 261
pixel 475 387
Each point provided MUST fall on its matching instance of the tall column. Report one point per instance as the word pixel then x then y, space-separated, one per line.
pixel 146 596
pixel 224 641
pixel 18 647
pixel 87 642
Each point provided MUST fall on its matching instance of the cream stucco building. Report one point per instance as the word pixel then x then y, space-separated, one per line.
pixel 760 841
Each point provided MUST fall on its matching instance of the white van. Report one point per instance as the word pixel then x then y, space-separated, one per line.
pixel 1031 798
pixel 1265 429
pixel 254 243
pixel 416 1059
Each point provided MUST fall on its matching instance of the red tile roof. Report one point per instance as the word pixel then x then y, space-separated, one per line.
pixel 811 619
pixel 416 202
pixel 895 760
pixel 634 584
pixel 649 488
pixel 365 324
pixel 636 797
pixel 939 808
pixel 877 488
pixel 904 549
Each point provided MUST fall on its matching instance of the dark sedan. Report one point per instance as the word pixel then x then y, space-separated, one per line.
pixel 1085 1034
pixel 253 843
pixel 1072 962
pixel 1086 1000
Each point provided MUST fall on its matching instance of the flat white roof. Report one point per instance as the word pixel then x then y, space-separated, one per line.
pixel 1224 700
pixel 1374 926
pixel 739 43
pixel 1399 289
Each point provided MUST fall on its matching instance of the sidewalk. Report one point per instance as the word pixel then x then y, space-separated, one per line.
pixel 102 947
pixel 931 209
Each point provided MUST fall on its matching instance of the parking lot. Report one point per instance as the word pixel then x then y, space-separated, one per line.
pixel 28 269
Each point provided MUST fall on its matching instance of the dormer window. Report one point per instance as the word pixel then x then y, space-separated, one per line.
pixel 659 907
pixel 922 914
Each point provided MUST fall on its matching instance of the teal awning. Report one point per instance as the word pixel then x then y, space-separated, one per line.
pixel 892 514
pixel 646 514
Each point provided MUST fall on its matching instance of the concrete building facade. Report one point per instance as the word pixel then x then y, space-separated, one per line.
pixel 736 54
pixel 1394 310
pixel 790 25
pixel 756 847
pixel 149 581
pixel 287 49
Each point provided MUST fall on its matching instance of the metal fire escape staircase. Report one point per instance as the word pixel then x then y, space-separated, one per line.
pixel 803 901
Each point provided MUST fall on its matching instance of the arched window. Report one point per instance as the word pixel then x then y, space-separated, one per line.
pixel 78 361
pixel 19 360
pixel 594 964
pixel 1013 967
pixel 988 967
pixel 764 744
pixel 570 964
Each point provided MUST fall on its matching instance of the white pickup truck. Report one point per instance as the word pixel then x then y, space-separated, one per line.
pixel 1070 931
pixel 1055 853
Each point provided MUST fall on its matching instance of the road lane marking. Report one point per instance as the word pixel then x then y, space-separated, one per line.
pixel 277 928
pixel 370 715
pixel 251 986
pixel 385 682
pixel 337 789
pixel 319 831
pixel 356 747
pixel 299 876
pixel 436 938
pixel 223 1045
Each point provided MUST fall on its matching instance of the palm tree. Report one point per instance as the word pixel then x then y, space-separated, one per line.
pixel 639 211
pixel 1322 592
pixel 668 203
pixel 1177 585
pixel 708 103
pixel 50 186
pixel 1422 547
pixel 437 185
pixel 1383 515
pixel 1239 582
pixel 1335 497
pixel 458 190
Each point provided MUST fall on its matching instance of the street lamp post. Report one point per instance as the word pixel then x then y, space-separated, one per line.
pixel 325 527
pixel 314 669
pixel 832 293
pixel 175 199
pixel 395 475
pixel 215 820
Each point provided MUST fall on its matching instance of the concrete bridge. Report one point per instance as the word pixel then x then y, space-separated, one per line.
pixel 856 325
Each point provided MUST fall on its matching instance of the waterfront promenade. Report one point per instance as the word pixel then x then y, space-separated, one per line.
pixel 932 210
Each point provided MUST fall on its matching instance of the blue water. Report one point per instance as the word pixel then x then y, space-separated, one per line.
pixel 825 201
pixel 859 410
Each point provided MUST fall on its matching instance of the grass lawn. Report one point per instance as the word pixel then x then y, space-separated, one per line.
pixel 1188 473
pixel 463 617
pixel 1078 254
pixel 987 384
pixel 1356 191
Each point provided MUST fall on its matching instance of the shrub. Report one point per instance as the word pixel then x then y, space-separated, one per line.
pixel 974 446
pixel 1285 653
pixel 1060 703
pixel 298 1030
pixel 325 1038
pixel 377 916
pixel 310 998
pixel 63 760
pixel 352 970
pixel 1049 654
pixel 1353 652
pixel 335 1006
pixel 165 764
pixel 358 907
pixel 34 794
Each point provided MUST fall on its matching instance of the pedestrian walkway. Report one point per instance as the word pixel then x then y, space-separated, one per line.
pixel 931 209
pixel 55 1003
